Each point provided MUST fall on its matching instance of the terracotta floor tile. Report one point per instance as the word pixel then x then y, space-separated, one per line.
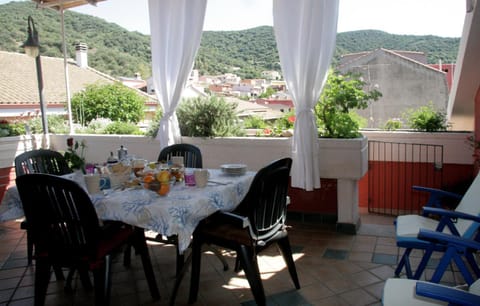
pixel 349 277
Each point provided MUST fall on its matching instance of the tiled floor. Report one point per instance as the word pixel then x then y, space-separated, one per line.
pixel 334 269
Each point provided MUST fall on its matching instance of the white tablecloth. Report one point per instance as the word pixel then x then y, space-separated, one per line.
pixel 178 213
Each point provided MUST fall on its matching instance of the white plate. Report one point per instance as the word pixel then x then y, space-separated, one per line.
pixel 234 169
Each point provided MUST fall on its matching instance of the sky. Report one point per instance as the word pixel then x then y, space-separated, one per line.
pixel 415 17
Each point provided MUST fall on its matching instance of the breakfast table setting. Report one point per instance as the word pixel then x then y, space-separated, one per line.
pixel 138 201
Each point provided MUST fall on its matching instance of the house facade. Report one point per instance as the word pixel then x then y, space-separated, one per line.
pixel 404 78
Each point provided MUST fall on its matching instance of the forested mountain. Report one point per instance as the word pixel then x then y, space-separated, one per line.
pixel 119 52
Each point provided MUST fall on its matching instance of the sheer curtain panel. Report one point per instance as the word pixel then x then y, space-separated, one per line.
pixel 305 31
pixel 176 29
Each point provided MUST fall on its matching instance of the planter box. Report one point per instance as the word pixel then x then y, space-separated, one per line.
pixel 343 158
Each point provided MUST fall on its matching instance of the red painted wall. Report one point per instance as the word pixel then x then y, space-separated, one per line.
pixel 7 178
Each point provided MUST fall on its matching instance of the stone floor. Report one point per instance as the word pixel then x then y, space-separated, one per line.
pixel 334 269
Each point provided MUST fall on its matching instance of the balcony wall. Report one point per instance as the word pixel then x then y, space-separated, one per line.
pixel 256 152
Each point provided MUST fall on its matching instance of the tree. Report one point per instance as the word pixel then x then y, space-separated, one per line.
pixel 341 95
pixel 208 117
pixel 113 101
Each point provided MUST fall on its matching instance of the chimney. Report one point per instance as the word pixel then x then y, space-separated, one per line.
pixel 81 55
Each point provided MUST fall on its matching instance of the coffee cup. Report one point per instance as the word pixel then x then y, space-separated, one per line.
pixel 177 160
pixel 201 177
pixel 94 183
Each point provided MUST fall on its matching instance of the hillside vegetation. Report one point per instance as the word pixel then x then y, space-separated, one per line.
pixel 118 52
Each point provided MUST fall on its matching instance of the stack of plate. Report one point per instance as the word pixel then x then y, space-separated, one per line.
pixel 234 169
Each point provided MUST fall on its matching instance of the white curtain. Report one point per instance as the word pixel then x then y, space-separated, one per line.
pixel 305 31
pixel 176 29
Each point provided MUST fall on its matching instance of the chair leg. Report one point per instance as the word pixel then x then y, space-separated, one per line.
pixel 473 263
pixel 250 266
pixel 285 248
pixel 238 266
pixel 404 262
pixel 467 276
pixel 423 263
pixel 142 249
pixel 180 260
pixel 443 265
pixel 29 248
pixel 195 274
pixel 102 282
pixel 42 278
pixel 219 256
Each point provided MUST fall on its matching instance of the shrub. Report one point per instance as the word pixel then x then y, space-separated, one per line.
pixel 341 95
pixel 284 123
pixel 122 128
pixel 427 119
pixel 11 129
pixel 254 122
pixel 114 101
pixel 392 125
pixel 96 126
pixel 57 124
pixel 155 123
pixel 208 117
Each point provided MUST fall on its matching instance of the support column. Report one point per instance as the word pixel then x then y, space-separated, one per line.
pixel 347 202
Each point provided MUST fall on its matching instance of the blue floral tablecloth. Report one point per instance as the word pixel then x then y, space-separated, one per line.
pixel 178 213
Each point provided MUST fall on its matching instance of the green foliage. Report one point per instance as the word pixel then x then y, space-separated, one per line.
pixel 113 101
pixel 254 122
pixel 11 128
pixel 119 52
pixel 155 123
pixel 286 122
pixel 96 126
pixel 426 119
pixel 208 117
pixel 341 95
pixel 75 157
pixel 122 128
pixel 392 125
pixel 57 124
pixel 268 93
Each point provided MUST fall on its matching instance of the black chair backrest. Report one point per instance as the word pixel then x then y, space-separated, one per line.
pixel 266 201
pixel 191 154
pixel 41 161
pixel 61 217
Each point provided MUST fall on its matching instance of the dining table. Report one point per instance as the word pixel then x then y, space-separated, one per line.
pixel 177 213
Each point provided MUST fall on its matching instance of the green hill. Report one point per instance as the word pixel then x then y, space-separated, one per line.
pixel 119 52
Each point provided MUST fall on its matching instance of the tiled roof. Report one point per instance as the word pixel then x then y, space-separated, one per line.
pixel 18 79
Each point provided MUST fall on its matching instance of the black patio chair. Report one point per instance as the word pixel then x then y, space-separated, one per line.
pixel 191 154
pixel 66 232
pixel 39 161
pixel 192 159
pixel 258 222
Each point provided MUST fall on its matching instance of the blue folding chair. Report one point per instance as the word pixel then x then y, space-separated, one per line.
pixel 462 222
pixel 401 292
pixel 416 293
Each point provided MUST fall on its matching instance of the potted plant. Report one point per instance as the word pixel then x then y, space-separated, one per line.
pixel 343 149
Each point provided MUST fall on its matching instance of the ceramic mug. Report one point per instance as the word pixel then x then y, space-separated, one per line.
pixel 94 183
pixel 201 177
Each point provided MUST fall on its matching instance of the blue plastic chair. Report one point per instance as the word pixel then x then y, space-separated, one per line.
pixel 401 292
pixel 416 293
pixel 462 222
